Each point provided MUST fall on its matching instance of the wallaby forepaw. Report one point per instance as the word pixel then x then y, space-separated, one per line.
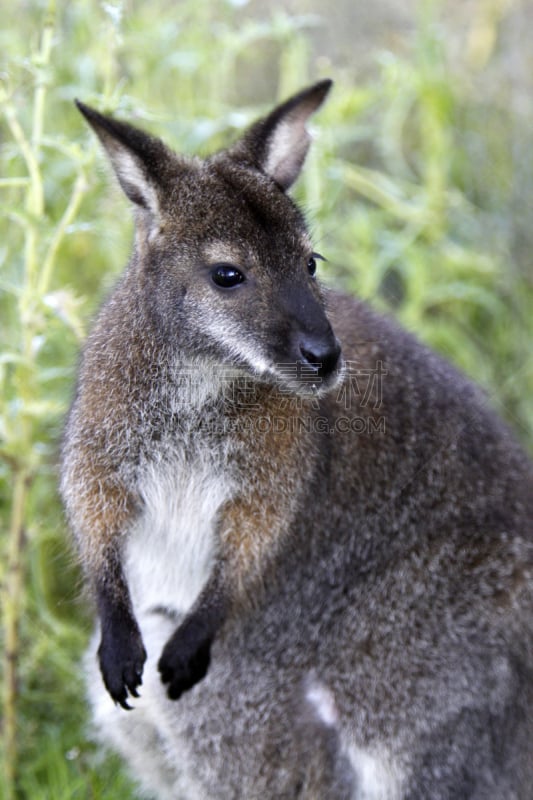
pixel 185 658
pixel 121 663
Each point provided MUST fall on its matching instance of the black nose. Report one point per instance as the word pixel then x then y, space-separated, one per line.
pixel 322 356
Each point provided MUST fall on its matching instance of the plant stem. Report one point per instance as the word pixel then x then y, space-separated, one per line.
pixel 12 603
pixel 42 61
pixel 69 214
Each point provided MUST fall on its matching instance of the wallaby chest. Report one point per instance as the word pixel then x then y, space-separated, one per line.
pixel 183 481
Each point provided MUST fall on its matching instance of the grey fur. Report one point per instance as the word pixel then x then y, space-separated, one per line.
pixel 377 633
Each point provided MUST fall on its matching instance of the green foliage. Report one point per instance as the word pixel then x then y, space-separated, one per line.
pixel 408 192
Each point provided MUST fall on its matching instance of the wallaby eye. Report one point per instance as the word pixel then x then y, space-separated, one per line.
pixel 226 276
pixel 311 264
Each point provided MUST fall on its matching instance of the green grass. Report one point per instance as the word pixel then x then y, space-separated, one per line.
pixel 411 190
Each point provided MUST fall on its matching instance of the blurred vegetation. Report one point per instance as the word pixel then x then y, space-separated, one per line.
pixel 411 193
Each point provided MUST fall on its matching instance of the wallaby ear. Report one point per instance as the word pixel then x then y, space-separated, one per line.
pixel 278 144
pixel 137 158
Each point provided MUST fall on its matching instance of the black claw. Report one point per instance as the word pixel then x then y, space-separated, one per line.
pixel 166 675
pixel 132 680
pixel 174 692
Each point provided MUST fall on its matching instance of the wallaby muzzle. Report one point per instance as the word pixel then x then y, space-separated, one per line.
pixel 312 344
pixel 321 354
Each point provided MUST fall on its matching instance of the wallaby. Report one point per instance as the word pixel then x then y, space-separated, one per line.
pixel 325 555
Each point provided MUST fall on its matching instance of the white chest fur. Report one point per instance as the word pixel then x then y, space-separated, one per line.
pixel 171 549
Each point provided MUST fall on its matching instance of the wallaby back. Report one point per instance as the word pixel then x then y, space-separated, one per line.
pixel 325 557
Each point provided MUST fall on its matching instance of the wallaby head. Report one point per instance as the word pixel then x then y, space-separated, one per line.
pixel 222 256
